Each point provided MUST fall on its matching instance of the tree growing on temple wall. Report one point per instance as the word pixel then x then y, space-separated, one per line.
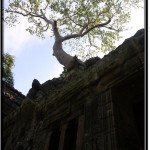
pixel 88 26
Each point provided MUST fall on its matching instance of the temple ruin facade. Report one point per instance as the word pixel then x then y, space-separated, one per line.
pixel 99 108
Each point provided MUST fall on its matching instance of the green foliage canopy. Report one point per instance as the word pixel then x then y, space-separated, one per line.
pixel 7 64
pixel 72 16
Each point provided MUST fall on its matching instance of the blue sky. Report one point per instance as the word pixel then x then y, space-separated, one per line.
pixel 33 56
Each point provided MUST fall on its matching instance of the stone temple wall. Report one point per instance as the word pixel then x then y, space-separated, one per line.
pixel 12 99
pixel 99 108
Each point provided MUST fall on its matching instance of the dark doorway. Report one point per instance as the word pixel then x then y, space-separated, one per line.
pixel 71 135
pixel 138 110
pixel 128 105
pixel 54 142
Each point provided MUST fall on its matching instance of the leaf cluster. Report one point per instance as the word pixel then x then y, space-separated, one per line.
pixel 7 65
pixel 73 15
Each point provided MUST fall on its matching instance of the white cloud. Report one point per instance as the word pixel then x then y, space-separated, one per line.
pixel 136 22
pixel 16 37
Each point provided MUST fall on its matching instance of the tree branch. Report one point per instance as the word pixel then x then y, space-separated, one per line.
pixel 74 21
pixel 25 14
pixel 85 26
pixel 89 39
pixel 45 18
pixel 67 37
pixel 55 29
pixel 53 23
pixel 96 26
pixel 80 34
pixel 47 26
pixel 46 6
pixel 91 44
pixel 111 28
pixel 43 28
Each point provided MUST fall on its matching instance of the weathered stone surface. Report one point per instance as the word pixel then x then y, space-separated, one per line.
pixel 98 106
pixel 13 99
pixel 36 86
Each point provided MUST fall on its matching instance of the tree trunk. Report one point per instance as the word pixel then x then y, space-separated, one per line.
pixel 65 59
